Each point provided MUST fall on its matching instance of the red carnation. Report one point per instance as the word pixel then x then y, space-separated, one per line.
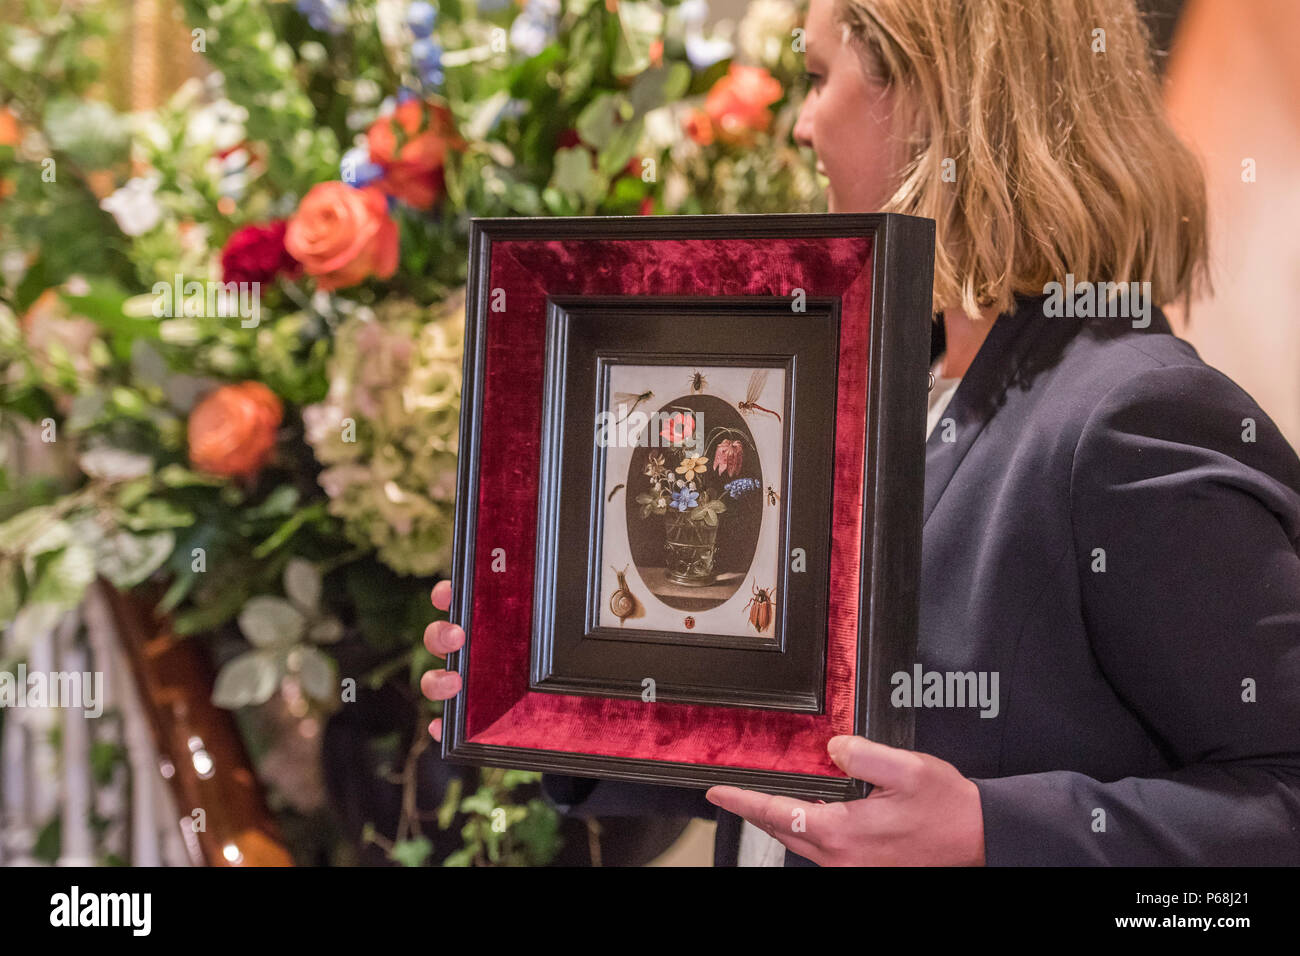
pixel 257 254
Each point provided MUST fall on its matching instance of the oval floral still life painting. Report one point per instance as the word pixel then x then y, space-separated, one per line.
pixel 694 483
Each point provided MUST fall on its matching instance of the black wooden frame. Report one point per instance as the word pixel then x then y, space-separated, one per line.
pixel 902 282
pixel 770 673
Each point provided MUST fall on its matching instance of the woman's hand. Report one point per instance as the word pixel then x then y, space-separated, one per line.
pixel 441 638
pixel 920 812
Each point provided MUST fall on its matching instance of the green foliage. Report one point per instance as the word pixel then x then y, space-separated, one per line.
pixel 344 526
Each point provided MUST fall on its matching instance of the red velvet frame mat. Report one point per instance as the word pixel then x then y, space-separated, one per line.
pixel 500 709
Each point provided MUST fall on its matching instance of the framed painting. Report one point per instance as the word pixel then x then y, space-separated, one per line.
pixel 689 506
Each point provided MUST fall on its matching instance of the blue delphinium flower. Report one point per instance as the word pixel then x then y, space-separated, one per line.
pixel 421 17
pixel 685 498
pixel 356 169
pixel 426 54
pixel 741 486
pixel 535 27
pixel 326 16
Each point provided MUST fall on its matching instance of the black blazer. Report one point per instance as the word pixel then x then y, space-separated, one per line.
pixel 1111 526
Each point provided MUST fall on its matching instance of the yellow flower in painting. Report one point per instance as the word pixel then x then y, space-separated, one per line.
pixel 690 467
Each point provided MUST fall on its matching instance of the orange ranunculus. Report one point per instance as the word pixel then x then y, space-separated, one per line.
pixel 232 431
pixel 410 145
pixel 343 235
pixel 11 133
pixel 737 106
pixel 699 127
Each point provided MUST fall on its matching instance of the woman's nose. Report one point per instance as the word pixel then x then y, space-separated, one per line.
pixel 803 125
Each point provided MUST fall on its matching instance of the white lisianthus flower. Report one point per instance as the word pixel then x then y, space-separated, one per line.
pixel 704 51
pixel 219 125
pixel 766 30
pixel 134 206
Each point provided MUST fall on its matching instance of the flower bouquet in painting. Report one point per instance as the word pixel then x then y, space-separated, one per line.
pixel 689 493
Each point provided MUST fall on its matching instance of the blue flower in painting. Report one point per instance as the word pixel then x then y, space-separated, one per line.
pixel 742 485
pixel 685 498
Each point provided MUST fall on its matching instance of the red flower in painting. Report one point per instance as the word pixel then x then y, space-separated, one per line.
pixel 678 428
pixel 729 457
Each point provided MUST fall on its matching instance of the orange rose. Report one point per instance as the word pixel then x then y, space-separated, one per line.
pixel 232 431
pixel 343 235
pixel 410 145
pixel 737 106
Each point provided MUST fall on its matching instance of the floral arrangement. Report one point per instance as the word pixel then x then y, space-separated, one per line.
pixel 230 326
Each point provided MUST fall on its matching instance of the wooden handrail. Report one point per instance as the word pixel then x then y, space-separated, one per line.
pixel 198 742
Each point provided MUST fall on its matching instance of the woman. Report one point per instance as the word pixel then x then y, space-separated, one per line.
pixel 1110 525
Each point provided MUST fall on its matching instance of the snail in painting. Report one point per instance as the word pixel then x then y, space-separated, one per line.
pixel 621 602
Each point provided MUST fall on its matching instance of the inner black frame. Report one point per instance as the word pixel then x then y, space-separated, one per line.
pixel 571 652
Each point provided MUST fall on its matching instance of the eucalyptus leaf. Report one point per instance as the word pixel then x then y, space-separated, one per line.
pixel 65 576
pixel 317 673
pixel 250 678
pixel 271 621
pixel 15 532
pixel 326 631
pixel 127 559
pixel 114 464
pixel 51 537
pixel 302 584
pixel 34 619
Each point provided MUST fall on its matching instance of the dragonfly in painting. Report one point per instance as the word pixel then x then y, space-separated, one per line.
pixel 752 394
pixel 630 400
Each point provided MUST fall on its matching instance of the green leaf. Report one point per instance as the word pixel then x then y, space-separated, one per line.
pixel 447 810
pixel 461 857
pixel 277 504
pixel 127 559
pixel 177 476
pixel 600 120
pixel 288 529
pixel 9 592
pixel 659 86
pixel 155 513
pixel 33 620
pixel 621 147
pixel 15 532
pixel 271 622
pixel 250 678
pixel 574 176
pixel 65 576
pixel 317 673
pixel 412 852
pixel 302 584
pixel 642 23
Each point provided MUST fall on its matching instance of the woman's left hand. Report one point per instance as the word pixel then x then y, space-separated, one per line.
pixel 921 812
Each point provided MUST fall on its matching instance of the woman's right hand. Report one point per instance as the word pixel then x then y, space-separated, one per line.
pixel 441 638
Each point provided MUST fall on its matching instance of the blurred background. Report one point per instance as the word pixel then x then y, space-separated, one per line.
pixel 232 265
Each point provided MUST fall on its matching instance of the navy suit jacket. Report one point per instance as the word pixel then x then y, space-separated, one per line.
pixel 1111 526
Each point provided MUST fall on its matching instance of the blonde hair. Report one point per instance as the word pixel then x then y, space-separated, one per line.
pixel 1063 158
